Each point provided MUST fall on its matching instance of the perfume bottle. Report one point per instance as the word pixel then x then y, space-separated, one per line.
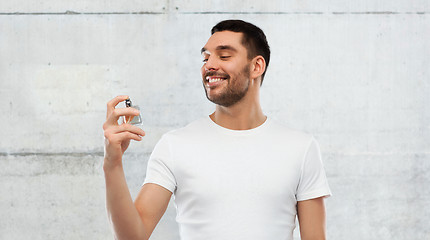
pixel 135 120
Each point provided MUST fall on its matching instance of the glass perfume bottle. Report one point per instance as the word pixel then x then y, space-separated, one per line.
pixel 134 120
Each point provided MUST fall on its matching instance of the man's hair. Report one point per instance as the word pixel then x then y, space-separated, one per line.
pixel 253 39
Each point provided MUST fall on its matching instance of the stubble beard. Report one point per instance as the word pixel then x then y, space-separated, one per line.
pixel 234 91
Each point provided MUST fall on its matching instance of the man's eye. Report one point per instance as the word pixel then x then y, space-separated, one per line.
pixel 224 57
pixel 205 60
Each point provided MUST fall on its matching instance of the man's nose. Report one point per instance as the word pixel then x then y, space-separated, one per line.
pixel 211 64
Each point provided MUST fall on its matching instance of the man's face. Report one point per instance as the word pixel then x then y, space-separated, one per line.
pixel 226 68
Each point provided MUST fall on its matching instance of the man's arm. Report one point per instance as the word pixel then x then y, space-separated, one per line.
pixel 129 221
pixel 138 220
pixel 311 215
pixel 151 204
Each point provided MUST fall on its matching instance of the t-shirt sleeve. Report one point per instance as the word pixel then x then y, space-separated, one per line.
pixel 313 181
pixel 160 169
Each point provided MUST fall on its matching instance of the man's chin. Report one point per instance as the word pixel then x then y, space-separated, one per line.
pixel 222 101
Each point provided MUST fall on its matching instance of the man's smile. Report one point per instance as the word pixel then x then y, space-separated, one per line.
pixel 212 82
pixel 213 79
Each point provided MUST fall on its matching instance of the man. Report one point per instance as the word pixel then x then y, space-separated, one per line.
pixel 235 174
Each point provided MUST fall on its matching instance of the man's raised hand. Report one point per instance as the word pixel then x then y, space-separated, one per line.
pixel 118 136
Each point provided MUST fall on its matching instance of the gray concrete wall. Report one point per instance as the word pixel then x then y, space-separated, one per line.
pixel 356 74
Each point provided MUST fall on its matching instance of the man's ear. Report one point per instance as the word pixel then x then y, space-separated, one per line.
pixel 257 67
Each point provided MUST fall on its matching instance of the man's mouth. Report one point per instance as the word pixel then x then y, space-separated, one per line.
pixel 213 79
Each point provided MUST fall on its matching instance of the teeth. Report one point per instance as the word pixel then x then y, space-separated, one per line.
pixel 212 80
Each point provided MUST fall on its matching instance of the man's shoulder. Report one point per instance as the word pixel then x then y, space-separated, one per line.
pixel 283 131
pixel 194 127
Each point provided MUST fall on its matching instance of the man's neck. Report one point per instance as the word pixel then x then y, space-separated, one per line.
pixel 244 115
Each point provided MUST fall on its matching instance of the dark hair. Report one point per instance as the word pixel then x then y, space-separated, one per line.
pixel 254 39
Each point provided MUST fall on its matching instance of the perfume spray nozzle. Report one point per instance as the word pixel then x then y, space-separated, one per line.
pixel 128 102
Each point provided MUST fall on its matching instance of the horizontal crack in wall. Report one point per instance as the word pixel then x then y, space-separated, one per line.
pixel 48 154
pixel 215 12
pixel 82 13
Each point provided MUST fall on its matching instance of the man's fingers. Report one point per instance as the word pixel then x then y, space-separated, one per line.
pixel 128 135
pixel 112 103
pixel 116 113
pixel 129 128
pixel 121 133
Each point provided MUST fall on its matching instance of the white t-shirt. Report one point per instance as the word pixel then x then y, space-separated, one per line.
pixel 237 184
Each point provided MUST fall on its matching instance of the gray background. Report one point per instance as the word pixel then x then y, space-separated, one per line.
pixel 353 73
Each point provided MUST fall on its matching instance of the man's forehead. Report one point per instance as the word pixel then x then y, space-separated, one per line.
pixel 224 40
pixel 219 48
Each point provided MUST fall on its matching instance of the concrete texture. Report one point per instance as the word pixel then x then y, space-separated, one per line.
pixel 355 74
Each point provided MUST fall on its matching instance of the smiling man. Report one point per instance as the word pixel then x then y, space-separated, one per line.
pixel 220 87
pixel 236 174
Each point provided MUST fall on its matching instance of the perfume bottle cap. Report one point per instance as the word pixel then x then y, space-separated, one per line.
pixel 128 102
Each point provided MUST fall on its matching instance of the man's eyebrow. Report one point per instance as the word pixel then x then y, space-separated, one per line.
pixel 226 47
pixel 220 47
